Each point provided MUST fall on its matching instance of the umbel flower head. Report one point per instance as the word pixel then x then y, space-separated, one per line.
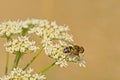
pixel 56 51
pixel 22 44
pixel 19 74
pixel 9 28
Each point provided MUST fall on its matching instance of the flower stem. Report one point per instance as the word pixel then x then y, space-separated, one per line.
pixel 17 58
pixel 47 68
pixel 37 54
pixel 6 65
pixel 7 58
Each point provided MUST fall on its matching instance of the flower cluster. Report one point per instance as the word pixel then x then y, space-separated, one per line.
pixel 50 32
pixel 62 59
pixel 22 44
pixel 9 28
pixel 54 39
pixel 19 74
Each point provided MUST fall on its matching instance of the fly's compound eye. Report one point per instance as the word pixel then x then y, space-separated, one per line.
pixel 67 50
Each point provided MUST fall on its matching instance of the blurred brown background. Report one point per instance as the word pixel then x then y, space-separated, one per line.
pixel 95 24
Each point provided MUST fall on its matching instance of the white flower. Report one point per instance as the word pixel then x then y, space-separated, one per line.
pixel 21 44
pixel 29 23
pixel 62 62
pixel 9 28
pixel 38 77
pixel 19 74
pixel 81 62
pixel 54 50
pixel 51 31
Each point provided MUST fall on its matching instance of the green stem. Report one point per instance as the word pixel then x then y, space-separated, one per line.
pixel 37 54
pixel 6 65
pixel 17 59
pixel 7 58
pixel 47 68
